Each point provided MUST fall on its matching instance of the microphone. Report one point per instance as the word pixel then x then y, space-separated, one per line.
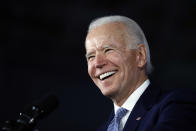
pixel 28 119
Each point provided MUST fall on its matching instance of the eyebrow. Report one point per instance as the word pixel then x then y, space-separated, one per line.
pixel 104 46
pixel 88 54
pixel 107 46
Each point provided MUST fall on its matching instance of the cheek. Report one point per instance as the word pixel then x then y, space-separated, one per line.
pixel 115 58
pixel 90 70
pixel 131 67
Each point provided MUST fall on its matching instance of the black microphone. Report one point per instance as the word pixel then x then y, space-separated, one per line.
pixel 28 119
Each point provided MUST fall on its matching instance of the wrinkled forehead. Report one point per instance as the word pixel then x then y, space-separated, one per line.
pixel 106 34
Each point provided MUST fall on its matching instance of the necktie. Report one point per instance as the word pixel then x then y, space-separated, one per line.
pixel 114 125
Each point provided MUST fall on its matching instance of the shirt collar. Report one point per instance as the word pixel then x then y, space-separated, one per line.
pixel 133 98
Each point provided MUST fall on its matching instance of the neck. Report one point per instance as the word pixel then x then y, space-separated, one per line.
pixel 123 97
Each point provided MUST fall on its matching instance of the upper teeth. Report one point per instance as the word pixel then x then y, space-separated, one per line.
pixel 102 76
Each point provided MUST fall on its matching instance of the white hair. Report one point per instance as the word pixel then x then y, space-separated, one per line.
pixel 133 29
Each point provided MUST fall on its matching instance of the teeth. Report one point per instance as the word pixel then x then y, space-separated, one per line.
pixel 102 76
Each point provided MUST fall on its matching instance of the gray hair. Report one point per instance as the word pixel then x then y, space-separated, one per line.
pixel 132 27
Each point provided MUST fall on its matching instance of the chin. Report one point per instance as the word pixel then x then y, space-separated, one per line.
pixel 108 93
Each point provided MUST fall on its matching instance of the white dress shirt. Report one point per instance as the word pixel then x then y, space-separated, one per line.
pixel 130 103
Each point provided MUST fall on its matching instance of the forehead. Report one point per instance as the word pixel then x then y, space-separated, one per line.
pixel 106 34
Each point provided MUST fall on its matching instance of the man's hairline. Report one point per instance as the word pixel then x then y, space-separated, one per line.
pixel 128 34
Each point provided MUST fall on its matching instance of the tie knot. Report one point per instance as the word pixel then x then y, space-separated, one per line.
pixel 121 112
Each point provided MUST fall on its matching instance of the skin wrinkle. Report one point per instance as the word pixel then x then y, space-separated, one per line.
pixel 100 44
pixel 127 62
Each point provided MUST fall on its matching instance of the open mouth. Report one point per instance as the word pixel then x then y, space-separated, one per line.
pixel 106 75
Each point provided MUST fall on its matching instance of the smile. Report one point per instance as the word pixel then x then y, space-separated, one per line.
pixel 106 75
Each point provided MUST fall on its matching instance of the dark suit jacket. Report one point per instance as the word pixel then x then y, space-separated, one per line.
pixel 161 110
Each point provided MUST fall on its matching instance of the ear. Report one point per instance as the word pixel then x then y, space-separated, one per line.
pixel 141 55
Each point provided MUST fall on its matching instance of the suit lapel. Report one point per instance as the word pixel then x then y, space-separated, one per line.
pixel 145 102
pixel 132 121
pixel 104 127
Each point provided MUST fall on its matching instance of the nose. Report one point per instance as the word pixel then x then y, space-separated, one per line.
pixel 100 61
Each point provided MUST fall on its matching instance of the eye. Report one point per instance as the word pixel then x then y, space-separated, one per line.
pixel 90 57
pixel 107 50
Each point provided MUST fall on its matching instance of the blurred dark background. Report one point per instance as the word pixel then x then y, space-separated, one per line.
pixel 42 52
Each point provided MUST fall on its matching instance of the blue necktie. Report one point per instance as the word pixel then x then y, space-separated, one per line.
pixel 114 125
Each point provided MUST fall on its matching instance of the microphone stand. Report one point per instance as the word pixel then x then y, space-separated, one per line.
pixel 25 122
pixel 28 120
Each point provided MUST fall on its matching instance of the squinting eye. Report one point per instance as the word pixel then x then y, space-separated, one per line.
pixel 106 50
pixel 90 57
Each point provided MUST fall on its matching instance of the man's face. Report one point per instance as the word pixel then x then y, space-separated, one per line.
pixel 111 65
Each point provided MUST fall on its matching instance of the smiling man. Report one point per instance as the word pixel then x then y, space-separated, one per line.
pixel 118 59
